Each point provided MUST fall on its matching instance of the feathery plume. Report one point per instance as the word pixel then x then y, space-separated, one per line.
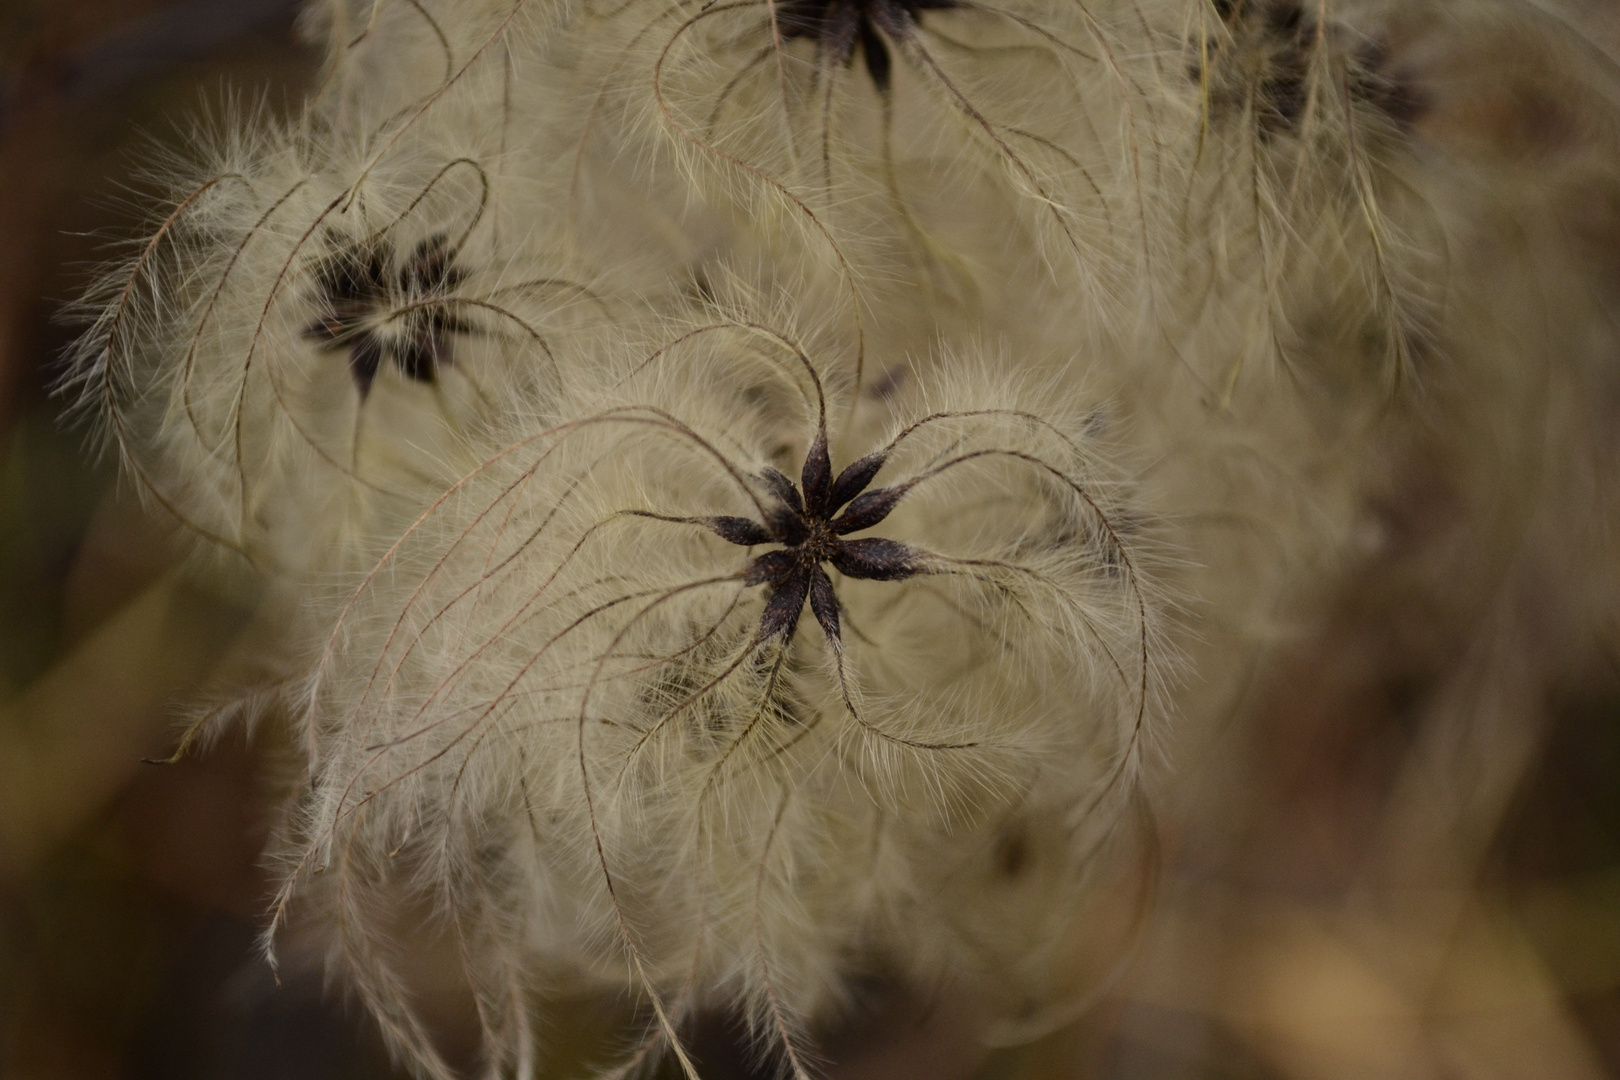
pixel 628 697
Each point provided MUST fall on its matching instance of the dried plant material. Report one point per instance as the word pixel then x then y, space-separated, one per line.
pixel 307 334
pixel 620 659
pixel 751 486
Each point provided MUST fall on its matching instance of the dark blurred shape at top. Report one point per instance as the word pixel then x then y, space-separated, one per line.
pixel 188 31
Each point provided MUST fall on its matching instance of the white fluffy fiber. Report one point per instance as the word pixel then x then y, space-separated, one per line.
pixel 1151 290
pixel 557 716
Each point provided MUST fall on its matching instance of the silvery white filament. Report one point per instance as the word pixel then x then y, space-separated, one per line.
pixel 1299 220
pixel 967 137
pixel 386 59
pixel 1157 145
pixel 559 715
pixel 1209 232
pixel 503 70
pixel 210 372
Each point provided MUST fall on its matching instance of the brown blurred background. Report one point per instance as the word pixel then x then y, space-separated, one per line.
pixel 1419 876
pixel 130 894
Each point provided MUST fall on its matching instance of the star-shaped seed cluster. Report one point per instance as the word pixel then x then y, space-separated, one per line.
pixel 377 308
pixel 839 26
pixel 811 529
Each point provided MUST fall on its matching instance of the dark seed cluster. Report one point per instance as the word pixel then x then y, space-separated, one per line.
pixel 811 530
pixel 377 308
pixel 839 27
pixel 1374 81
pixel 1265 67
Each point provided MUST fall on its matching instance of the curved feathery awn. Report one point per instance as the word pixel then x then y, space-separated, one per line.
pixel 877 117
pixel 718 673
pixel 1175 169
pixel 1191 167
pixel 632 698
pixel 302 337
pixel 1297 214
pixel 339 246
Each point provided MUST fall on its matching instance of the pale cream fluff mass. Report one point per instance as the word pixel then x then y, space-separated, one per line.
pixel 751 494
